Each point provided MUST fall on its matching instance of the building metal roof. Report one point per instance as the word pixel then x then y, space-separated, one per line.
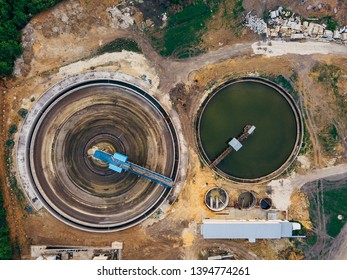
pixel 251 230
pixel 235 144
pixel 251 130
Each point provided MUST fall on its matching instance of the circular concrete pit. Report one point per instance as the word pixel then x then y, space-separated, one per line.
pixel 110 115
pixel 233 108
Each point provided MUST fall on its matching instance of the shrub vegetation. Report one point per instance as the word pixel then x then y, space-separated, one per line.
pixel 14 15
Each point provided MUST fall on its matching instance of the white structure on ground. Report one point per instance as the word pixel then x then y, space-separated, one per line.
pixel 47 252
pixel 251 230
pixel 256 24
pixel 235 144
pixel 285 25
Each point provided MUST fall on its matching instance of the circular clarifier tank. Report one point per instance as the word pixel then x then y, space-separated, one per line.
pixel 216 199
pixel 68 124
pixel 246 200
pixel 266 203
pixel 233 108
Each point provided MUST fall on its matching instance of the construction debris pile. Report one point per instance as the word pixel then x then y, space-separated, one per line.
pixel 120 18
pixel 256 24
pixel 286 25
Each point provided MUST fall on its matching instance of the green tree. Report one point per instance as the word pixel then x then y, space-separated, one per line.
pixel 4 11
pixel 12 129
pixel 8 31
pixel 36 6
pixel 6 68
pixel 5 244
pixel 14 15
pixel 10 143
pixel 23 112
pixel 9 50
pixel 20 19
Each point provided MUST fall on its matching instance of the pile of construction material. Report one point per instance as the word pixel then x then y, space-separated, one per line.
pixel 284 24
pixel 256 24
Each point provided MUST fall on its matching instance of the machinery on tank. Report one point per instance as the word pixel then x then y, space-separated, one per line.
pixel 234 144
pixel 119 162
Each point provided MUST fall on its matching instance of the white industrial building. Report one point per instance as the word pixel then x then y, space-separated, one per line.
pixel 251 230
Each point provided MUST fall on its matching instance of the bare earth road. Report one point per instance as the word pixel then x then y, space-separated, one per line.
pixel 338 249
pixel 173 71
pixel 283 188
pixel 281 197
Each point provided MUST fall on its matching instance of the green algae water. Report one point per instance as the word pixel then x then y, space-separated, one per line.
pixel 237 105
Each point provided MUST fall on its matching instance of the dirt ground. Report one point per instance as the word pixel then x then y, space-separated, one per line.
pixel 325 246
pixel 71 31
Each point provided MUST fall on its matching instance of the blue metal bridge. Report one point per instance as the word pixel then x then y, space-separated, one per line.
pixel 119 162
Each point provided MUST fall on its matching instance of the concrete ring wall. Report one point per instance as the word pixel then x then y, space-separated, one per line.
pixel 34 118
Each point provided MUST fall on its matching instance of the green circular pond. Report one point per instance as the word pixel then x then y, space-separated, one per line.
pixel 225 113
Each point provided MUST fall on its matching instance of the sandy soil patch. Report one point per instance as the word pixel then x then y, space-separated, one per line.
pixel 278 48
pixel 129 62
pixel 304 161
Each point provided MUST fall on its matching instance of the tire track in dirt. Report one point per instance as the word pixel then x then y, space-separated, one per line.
pixel 326 247
pixel 306 85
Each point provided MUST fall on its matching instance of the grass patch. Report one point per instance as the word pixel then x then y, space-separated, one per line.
pixel 329 138
pixel 238 10
pixel 333 132
pixel 327 74
pixel 119 45
pixel 233 15
pixel 182 34
pixel 332 78
pixel 306 141
pixel 330 197
pixel 285 83
pixel 311 238
pixel 335 204
pixel 183 31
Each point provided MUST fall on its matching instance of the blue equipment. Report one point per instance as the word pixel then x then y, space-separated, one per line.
pixel 119 162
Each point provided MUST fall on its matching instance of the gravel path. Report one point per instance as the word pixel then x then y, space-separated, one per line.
pixel 283 188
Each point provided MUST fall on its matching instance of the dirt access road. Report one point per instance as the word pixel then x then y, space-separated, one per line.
pixel 283 188
pixel 175 71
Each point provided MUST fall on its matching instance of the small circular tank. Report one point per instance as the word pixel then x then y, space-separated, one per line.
pixel 246 200
pixel 216 199
pixel 265 203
